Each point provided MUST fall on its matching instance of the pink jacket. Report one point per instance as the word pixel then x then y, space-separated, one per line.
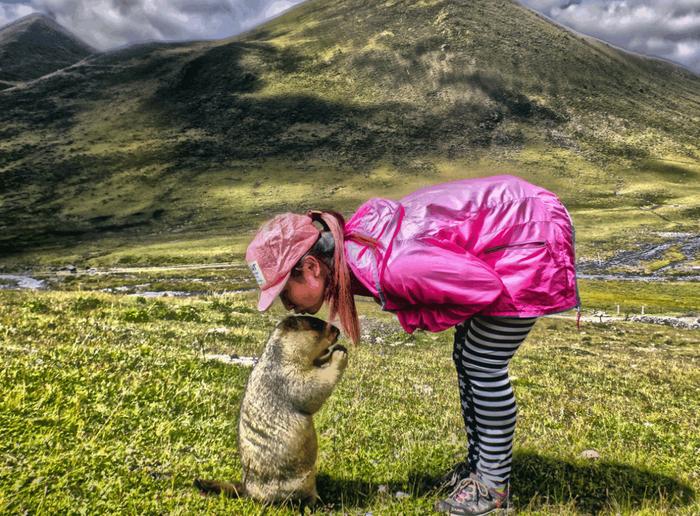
pixel 493 246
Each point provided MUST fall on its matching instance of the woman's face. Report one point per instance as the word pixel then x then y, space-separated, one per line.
pixel 304 292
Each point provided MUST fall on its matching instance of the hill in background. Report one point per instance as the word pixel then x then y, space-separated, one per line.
pixel 36 45
pixel 337 101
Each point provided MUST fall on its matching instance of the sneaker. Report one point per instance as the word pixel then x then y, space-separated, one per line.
pixel 449 480
pixel 470 497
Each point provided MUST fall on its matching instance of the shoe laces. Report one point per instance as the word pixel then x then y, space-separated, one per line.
pixel 471 487
pixel 455 477
pixel 450 480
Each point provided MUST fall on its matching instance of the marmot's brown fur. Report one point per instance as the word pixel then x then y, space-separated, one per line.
pixel 276 437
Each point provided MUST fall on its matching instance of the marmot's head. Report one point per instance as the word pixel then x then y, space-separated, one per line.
pixel 305 341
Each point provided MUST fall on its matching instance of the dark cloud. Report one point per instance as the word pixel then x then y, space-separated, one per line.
pixel 669 29
pixel 126 7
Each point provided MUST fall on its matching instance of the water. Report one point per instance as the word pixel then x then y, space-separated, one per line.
pixel 164 293
pixel 21 282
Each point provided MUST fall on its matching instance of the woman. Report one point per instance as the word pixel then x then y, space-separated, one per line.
pixel 486 256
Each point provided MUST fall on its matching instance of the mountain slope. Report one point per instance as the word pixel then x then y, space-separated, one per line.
pixel 36 45
pixel 339 95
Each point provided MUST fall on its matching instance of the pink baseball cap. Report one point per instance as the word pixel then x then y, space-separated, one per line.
pixel 278 245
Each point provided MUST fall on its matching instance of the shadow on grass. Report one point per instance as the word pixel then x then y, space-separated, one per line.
pixel 593 486
pixel 537 481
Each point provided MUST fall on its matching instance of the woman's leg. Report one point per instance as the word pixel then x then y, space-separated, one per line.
pixel 466 395
pixel 486 346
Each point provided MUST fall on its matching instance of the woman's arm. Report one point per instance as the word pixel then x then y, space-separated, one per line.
pixel 434 285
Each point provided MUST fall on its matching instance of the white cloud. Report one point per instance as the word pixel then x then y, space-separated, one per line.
pixel 10 11
pixel 277 7
pixel 669 29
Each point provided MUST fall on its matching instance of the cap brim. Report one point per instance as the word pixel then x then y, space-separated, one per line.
pixel 268 295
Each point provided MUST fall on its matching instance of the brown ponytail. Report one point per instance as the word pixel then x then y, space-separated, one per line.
pixel 339 291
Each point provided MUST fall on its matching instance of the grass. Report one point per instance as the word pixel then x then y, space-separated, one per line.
pixel 106 405
pixel 170 154
pixel 667 297
pixel 219 211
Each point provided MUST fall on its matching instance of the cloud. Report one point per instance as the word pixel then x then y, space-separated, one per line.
pixel 669 29
pixel 10 11
pixel 107 24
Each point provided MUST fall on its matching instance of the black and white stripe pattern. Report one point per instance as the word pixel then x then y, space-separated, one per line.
pixel 483 348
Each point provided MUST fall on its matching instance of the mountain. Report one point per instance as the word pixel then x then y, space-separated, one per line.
pixel 339 100
pixel 36 45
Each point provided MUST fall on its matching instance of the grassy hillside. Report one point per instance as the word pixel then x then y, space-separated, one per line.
pixel 189 144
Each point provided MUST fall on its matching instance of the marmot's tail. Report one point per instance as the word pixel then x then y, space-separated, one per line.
pixel 230 489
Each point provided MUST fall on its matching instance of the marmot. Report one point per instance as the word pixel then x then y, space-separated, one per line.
pixel 277 443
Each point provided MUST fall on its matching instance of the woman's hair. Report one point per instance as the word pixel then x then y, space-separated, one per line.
pixel 329 249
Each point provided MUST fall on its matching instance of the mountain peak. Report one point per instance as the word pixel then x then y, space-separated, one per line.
pixel 40 21
pixel 35 45
pixel 22 23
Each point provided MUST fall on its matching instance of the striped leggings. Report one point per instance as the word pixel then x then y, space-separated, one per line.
pixel 483 347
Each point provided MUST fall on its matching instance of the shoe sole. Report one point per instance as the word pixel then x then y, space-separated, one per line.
pixel 493 512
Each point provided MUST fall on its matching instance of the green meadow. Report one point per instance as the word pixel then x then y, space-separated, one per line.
pixel 107 405
pixel 150 168
pixel 216 214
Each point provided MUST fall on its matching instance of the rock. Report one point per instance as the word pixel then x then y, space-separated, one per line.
pixel 675 322
pixel 232 359
pixel 401 494
pixel 600 314
pixel 223 330
pixel 590 454
pixel 424 389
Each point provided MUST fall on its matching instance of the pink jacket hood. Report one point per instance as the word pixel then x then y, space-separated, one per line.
pixel 493 246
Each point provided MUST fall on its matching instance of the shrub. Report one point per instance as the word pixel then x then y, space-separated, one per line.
pixel 36 306
pixel 85 303
pixel 184 313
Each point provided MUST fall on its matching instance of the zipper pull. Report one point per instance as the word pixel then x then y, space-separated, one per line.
pixel 578 317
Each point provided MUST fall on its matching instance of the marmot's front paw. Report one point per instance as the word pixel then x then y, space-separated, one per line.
pixel 339 358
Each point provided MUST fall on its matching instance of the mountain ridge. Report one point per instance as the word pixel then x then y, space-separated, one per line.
pixel 617 48
pixel 339 90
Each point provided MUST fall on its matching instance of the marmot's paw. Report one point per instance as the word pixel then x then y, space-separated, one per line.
pixel 339 358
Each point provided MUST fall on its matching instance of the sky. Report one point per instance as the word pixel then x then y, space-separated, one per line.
pixel 669 29
pixel 664 28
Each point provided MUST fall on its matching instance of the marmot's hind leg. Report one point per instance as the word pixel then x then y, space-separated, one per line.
pixel 230 489
pixel 309 502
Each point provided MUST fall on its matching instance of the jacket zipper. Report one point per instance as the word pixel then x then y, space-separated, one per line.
pixel 538 243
